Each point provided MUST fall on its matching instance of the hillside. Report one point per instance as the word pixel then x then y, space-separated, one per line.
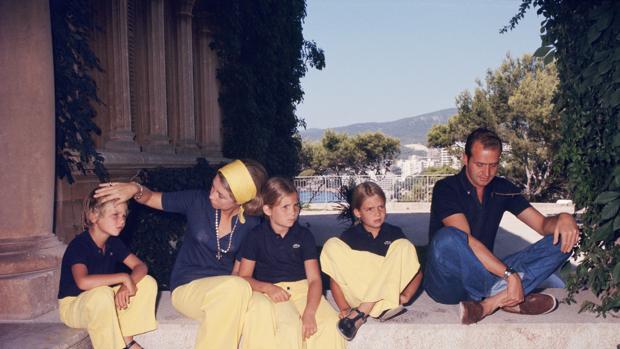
pixel 409 130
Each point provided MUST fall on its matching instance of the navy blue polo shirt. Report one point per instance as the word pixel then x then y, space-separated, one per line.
pixel 455 194
pixel 83 250
pixel 279 259
pixel 197 256
pixel 358 238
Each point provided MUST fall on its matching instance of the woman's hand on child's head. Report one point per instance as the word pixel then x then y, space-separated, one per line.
pixel 278 294
pixel 117 192
pixel 308 324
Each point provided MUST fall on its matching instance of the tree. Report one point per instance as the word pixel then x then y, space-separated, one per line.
pixel 262 56
pixel 339 153
pixel 516 100
pixel 313 159
pixel 582 38
pixel 440 170
pixel 379 151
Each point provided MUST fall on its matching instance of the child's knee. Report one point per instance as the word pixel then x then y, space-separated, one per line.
pixel 147 284
pixel 401 244
pixel 331 244
pixel 101 293
pixel 238 288
pixel 260 303
pixel 447 241
pixel 402 247
pixel 100 299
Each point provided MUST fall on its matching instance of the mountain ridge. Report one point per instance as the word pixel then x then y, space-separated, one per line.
pixel 409 130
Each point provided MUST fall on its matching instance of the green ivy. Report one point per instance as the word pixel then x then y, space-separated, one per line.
pixel 74 88
pixel 262 57
pixel 584 39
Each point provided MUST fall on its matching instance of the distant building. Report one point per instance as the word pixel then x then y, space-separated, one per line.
pixel 435 157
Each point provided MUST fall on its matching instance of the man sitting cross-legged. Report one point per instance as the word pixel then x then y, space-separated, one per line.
pixel 465 214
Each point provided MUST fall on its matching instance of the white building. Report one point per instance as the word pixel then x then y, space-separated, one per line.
pixel 435 157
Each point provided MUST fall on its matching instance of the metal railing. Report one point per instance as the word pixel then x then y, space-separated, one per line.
pixel 325 189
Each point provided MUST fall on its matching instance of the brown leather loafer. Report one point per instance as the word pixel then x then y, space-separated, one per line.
pixel 534 304
pixel 471 312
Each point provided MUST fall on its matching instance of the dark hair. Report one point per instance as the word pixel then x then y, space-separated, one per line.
pixel 274 189
pixel 259 176
pixel 488 138
pixel 363 191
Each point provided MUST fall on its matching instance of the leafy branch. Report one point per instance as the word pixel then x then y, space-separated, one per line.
pixel 75 89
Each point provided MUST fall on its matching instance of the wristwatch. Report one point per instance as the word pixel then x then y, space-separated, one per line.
pixel 509 271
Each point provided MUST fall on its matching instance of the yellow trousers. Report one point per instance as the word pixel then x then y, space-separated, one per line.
pixel 219 303
pixel 280 323
pixel 96 311
pixel 367 277
pixel 259 327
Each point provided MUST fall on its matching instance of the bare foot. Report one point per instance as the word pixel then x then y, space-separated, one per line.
pixel 404 299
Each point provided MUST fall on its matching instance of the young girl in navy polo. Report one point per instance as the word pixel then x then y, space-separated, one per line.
pixel 112 306
pixel 373 268
pixel 280 263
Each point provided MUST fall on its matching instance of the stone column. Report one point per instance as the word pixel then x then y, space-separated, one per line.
pixel 29 252
pixel 157 140
pixel 120 137
pixel 209 113
pixel 187 132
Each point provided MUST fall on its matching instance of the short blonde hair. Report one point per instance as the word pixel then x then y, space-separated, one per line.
pixel 92 205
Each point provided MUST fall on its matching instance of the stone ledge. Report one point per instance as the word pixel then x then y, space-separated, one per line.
pixel 42 336
pixel 427 324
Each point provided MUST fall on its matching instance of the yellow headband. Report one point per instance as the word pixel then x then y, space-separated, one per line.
pixel 240 182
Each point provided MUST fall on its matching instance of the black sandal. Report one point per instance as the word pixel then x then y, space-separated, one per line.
pixel 347 326
pixel 130 344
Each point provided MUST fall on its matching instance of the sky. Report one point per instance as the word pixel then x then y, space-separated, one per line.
pixel 392 59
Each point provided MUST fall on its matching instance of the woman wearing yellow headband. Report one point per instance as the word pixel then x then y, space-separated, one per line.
pixel 204 284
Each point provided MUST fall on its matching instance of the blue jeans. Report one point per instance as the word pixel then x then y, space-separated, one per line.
pixel 453 272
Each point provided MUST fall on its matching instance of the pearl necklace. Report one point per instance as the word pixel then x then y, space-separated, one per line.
pixel 219 252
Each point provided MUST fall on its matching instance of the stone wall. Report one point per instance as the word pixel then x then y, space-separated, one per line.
pixel 159 93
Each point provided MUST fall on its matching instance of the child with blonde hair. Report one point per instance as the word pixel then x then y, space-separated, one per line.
pixel 113 306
